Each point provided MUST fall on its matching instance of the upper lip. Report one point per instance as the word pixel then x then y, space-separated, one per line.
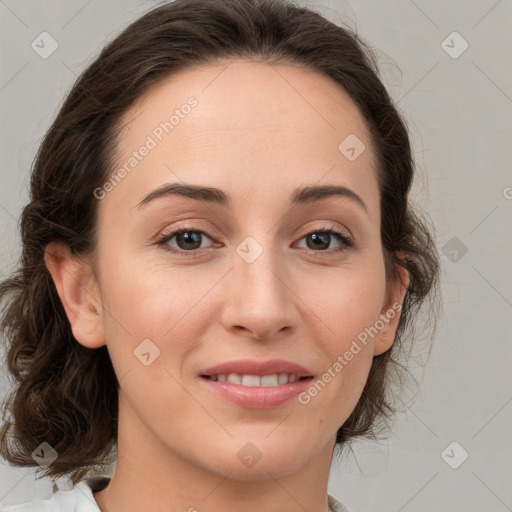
pixel 252 367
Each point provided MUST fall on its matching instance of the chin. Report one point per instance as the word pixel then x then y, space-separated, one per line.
pixel 260 459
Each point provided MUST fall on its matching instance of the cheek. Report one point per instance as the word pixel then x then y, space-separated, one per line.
pixel 142 292
pixel 348 301
pixel 350 307
pixel 148 300
pixel 348 351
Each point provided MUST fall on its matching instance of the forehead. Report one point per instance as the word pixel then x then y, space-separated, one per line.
pixel 251 124
pixel 271 96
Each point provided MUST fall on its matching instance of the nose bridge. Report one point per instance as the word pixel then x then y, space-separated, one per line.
pixel 260 300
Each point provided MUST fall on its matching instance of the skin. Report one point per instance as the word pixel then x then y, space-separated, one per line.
pixel 257 133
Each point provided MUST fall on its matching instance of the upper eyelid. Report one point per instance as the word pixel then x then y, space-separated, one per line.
pixel 206 230
pixel 324 227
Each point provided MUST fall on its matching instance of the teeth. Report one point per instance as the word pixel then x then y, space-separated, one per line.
pixel 282 379
pixel 256 380
pixel 269 380
pixel 251 380
pixel 234 378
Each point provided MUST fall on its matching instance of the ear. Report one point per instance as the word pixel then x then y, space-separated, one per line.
pixel 78 292
pixel 391 312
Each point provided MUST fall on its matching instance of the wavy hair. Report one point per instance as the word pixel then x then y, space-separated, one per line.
pixel 56 397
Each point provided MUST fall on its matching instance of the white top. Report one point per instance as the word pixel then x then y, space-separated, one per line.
pixel 81 499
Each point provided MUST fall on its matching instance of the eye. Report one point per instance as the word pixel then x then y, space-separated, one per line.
pixel 189 241
pixel 320 239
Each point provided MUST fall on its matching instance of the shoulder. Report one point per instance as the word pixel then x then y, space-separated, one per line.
pixel 335 505
pixel 78 499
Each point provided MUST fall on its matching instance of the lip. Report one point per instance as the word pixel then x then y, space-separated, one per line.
pixel 252 367
pixel 257 397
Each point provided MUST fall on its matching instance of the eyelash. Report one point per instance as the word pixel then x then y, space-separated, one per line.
pixel 346 242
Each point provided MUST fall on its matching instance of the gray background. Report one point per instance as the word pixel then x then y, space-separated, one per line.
pixel 459 113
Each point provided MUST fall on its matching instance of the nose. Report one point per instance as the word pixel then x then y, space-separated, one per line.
pixel 260 300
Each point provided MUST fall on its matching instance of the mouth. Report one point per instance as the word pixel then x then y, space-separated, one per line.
pixel 256 391
pixel 275 379
pixel 256 384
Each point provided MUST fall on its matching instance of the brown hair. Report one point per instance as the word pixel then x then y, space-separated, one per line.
pixel 57 398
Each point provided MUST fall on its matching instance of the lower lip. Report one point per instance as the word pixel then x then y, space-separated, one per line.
pixel 257 397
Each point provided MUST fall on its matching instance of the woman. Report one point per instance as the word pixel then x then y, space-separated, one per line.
pixel 219 267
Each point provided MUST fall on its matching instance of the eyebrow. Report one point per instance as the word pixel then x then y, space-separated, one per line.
pixel 301 195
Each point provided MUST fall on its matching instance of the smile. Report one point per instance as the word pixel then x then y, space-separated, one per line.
pixel 256 380
pixel 254 391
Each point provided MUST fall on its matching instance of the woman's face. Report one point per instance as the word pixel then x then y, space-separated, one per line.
pixel 255 277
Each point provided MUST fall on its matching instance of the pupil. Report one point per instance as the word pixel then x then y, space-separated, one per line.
pixel 189 237
pixel 323 238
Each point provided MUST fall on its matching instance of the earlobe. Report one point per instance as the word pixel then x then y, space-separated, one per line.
pixel 75 285
pixel 390 315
